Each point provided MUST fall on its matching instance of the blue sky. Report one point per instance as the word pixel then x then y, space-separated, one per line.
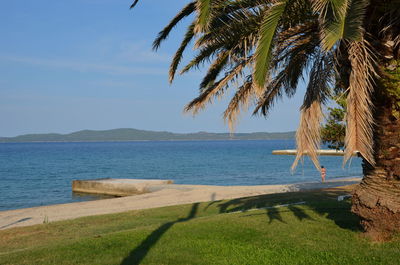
pixel 88 64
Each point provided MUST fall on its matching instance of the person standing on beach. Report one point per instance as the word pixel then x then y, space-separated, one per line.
pixel 323 173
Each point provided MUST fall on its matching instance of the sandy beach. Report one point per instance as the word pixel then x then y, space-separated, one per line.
pixel 173 195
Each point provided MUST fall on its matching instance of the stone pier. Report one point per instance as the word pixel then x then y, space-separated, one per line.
pixel 117 187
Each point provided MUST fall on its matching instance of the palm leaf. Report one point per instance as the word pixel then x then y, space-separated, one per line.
pixel 203 8
pixel 162 35
pixel 207 95
pixel 134 3
pixel 359 106
pixel 240 100
pixel 215 68
pixel 179 53
pixel 341 20
pixel 273 92
pixel 296 48
pixel 266 33
pixel 320 80
pixel 308 136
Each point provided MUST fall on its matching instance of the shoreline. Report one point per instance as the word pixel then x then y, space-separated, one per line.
pixel 128 141
pixel 174 195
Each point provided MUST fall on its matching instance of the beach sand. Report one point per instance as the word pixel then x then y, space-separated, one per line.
pixel 173 195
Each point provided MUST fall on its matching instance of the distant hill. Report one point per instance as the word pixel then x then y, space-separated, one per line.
pixel 142 135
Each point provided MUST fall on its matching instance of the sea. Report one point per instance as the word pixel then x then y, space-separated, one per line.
pixel 36 174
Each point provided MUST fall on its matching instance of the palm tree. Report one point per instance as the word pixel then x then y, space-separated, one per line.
pixel 263 48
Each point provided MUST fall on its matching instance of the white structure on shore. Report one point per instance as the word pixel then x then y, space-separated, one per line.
pixel 319 152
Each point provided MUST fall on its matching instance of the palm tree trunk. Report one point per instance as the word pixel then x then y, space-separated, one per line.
pixel 377 199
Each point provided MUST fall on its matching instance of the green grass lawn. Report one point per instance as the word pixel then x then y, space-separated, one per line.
pixel 321 231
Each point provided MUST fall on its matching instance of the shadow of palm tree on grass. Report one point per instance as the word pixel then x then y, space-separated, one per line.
pixel 324 204
pixel 274 214
pixel 321 203
pixel 16 222
pixel 140 252
pixel 300 213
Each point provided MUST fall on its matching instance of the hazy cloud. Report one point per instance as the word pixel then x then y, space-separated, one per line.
pixel 85 66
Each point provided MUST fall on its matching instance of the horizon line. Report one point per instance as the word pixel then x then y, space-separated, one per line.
pixel 126 128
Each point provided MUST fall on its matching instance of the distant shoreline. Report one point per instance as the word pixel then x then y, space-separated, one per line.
pixel 134 135
pixel 128 141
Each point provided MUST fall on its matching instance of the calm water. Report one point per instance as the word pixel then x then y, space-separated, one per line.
pixel 34 174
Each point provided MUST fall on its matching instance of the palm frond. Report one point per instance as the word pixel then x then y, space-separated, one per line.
pixel 320 80
pixel 340 20
pixel 179 53
pixel 203 8
pixel 134 3
pixel 273 92
pixel 359 116
pixel 240 100
pixel 266 33
pixel 207 95
pixel 162 35
pixel 296 48
pixel 355 18
pixel 214 70
pixel 230 28
pixel 308 135
pixel 204 55
pixel 330 9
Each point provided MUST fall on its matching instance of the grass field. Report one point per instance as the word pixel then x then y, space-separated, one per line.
pixel 319 231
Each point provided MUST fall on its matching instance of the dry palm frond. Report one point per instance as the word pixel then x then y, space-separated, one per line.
pixel 308 135
pixel 359 106
pixel 240 100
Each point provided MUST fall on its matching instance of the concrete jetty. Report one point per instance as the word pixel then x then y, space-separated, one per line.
pixel 118 187
pixel 319 152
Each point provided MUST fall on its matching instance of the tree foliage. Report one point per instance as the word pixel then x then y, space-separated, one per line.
pixel 334 130
pixel 261 49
